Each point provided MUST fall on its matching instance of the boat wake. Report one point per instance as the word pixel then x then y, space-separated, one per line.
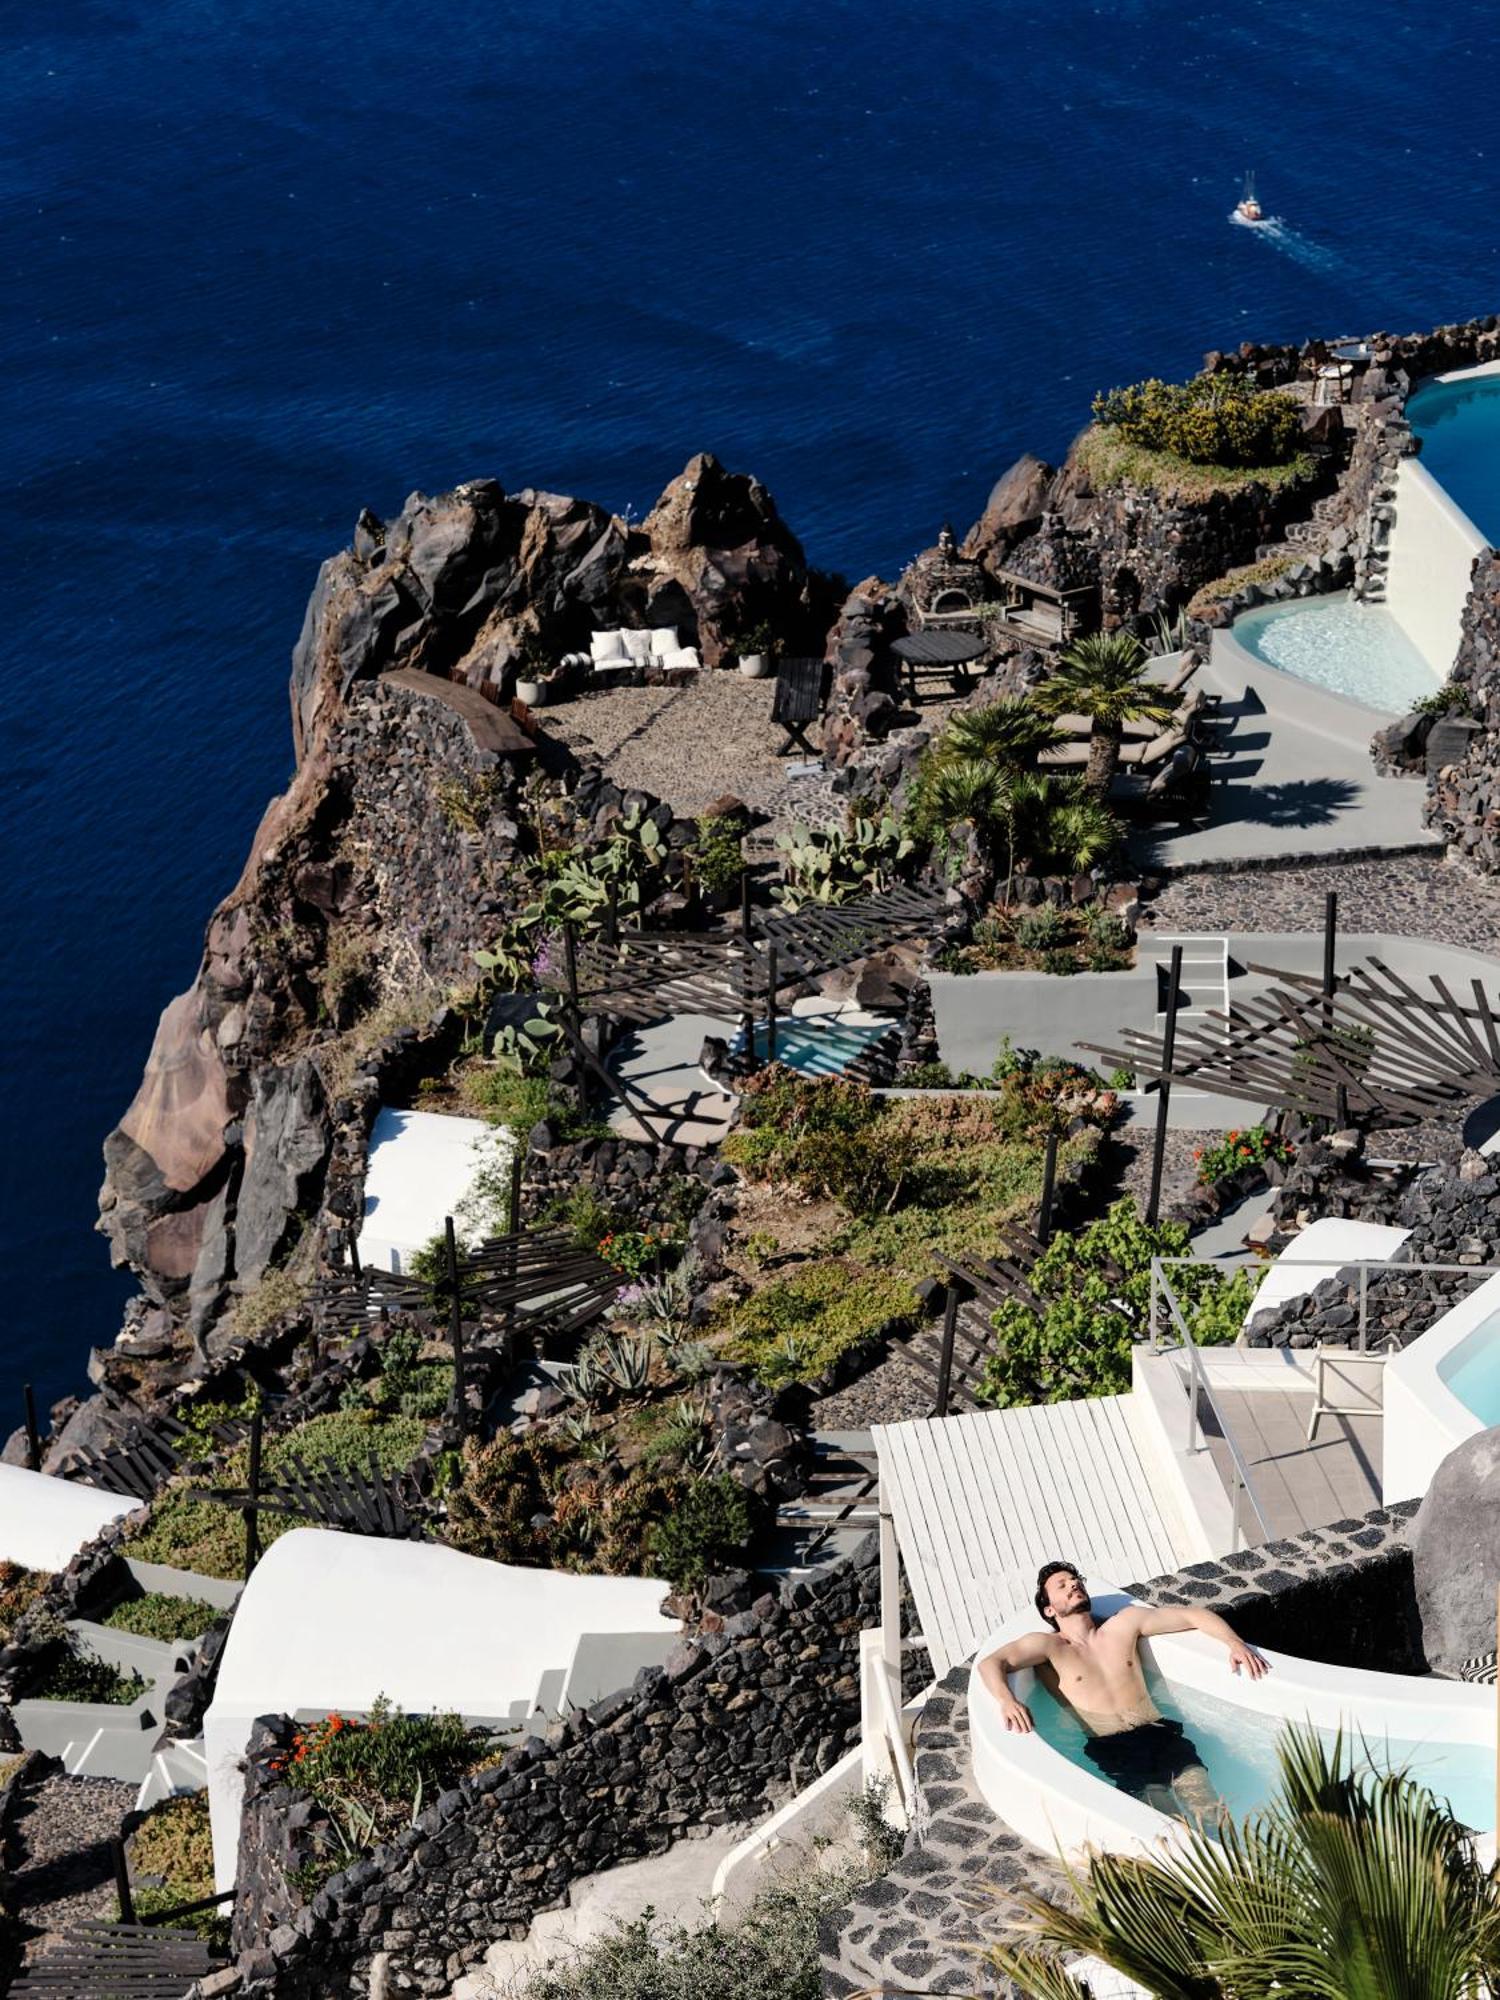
pixel 1290 242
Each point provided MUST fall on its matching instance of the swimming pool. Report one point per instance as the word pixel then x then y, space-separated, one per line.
pixel 821 1044
pixel 1443 1388
pixel 1045 1787
pixel 1458 420
pixel 1238 1750
pixel 1356 650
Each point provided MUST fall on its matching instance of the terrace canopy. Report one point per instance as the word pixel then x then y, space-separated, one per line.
pixel 331 1621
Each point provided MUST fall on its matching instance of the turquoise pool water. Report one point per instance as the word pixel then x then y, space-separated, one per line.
pixel 1238 1751
pixel 819 1046
pixel 1351 649
pixel 1459 425
pixel 1472 1371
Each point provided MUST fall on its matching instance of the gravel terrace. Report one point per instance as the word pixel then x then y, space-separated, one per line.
pixel 1417 895
pixel 69 1871
pixel 692 745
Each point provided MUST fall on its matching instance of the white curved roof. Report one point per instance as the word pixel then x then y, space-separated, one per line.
pixel 44 1521
pixel 333 1621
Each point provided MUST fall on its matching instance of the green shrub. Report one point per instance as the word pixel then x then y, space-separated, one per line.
pixel 19 1589
pixel 374 1777
pixel 75 1672
pixel 172 1862
pixel 1043 929
pixel 709 1530
pixel 718 853
pixel 1452 698
pixel 1212 420
pixel 532 1500
pixel 1095 1286
pixel 772 1952
pixel 200 1535
pixel 154 1616
pixel 798 1326
pixel 1266 571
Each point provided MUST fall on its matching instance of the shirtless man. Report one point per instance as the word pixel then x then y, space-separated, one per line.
pixel 1096 1669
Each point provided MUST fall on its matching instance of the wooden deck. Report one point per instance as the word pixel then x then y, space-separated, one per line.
pixel 980 1502
pixel 1298 1485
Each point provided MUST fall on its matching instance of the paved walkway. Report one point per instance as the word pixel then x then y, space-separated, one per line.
pixel 1291 776
pixel 1300 1485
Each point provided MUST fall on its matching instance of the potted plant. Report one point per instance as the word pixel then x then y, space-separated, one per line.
pixel 755 649
pixel 535 670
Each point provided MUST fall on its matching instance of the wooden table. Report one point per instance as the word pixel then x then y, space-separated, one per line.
pixel 940 651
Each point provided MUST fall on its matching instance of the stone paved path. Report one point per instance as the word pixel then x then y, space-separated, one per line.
pixel 1415 895
pixel 68 1871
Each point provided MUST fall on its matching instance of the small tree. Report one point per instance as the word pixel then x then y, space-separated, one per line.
pixel 1104 677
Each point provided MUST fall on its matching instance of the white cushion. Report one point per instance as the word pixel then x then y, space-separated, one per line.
pixel 607 645
pixel 685 656
pixel 663 641
pixel 637 646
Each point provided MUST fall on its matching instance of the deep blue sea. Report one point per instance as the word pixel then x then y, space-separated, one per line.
pixel 268 263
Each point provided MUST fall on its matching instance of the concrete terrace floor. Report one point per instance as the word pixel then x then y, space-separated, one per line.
pixel 1291 776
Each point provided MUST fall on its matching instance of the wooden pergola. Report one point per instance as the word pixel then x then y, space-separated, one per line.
pixel 1366 1048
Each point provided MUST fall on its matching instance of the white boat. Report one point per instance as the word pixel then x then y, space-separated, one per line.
pixel 1248 209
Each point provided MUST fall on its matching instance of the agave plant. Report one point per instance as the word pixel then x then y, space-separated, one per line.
pixel 585 1381
pixel 626 1363
pixel 1354 1884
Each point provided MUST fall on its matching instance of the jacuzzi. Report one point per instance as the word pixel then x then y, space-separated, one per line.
pixel 1442 1389
pixel 1048 1792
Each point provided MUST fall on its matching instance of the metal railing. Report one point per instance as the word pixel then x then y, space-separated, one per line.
pixel 1199 1390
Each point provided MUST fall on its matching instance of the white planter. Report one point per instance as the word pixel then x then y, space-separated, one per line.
pixel 533 693
pixel 755 666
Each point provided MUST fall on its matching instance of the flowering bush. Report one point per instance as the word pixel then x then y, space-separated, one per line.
pixel 636 1252
pixel 1250 1148
pixel 1212 420
pixel 372 1776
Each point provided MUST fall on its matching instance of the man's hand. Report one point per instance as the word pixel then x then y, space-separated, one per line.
pixel 1017 1715
pixel 1241 1655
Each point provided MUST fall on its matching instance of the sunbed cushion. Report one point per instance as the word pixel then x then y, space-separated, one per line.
pixel 663 641
pixel 637 646
pixel 685 656
pixel 607 646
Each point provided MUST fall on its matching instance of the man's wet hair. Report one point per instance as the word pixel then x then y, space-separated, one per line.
pixel 1043 1575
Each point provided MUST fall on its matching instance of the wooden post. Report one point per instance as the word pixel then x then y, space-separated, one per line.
pixel 455 1328
pixel 945 1358
pixel 747 997
pixel 354 1263
pixel 1330 987
pixel 1164 1097
pixel 771 984
pixel 747 931
pixel 612 914
pixel 252 1512
pixel 122 1882
pixel 513 1203
pixel 33 1436
pixel 1049 1188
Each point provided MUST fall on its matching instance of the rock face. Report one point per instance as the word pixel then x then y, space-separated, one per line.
pixel 1456 1555
pixel 1014 510
pixel 391 855
pixel 1464 795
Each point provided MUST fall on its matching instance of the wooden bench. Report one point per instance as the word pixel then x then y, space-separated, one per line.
pixel 801 690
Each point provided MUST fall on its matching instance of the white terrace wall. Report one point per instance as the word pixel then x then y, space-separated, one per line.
pixel 1433 546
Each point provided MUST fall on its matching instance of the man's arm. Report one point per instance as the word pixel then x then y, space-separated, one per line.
pixel 1029 1651
pixel 1189 1618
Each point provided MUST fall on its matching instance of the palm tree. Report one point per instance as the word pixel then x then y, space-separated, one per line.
pixel 1353 1884
pixel 1011 732
pixel 1103 677
pixel 972 797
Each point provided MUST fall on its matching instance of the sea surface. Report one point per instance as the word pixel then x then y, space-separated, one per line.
pixel 266 264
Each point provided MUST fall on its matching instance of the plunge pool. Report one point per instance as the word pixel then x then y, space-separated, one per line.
pixel 1356 650
pixel 1458 422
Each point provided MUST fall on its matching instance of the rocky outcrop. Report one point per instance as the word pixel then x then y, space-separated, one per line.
pixel 1014 510
pixel 862 700
pixel 392 854
pixel 1456 1555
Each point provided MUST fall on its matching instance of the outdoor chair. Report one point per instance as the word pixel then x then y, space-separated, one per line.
pixel 801 690
pixel 1188 710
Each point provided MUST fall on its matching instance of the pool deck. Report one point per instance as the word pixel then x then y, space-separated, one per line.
pixel 1300 1485
pixel 1291 776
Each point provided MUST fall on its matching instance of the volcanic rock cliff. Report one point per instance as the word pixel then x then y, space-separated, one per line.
pixel 390 858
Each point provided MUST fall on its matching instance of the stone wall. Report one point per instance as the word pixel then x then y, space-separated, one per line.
pixel 733 1722
pixel 1463 801
pixel 1343 1593
pixel 1453 1213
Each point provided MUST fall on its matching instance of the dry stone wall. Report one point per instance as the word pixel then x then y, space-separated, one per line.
pixel 732 1723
